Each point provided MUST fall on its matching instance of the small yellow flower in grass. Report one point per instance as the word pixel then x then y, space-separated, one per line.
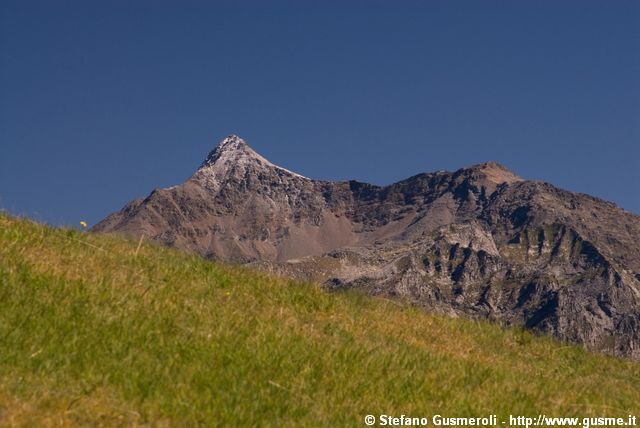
pixel 83 223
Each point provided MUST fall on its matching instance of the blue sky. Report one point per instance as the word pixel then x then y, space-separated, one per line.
pixel 101 102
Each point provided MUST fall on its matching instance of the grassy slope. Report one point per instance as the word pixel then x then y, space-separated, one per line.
pixel 93 333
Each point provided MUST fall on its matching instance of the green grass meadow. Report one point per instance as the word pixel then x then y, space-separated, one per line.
pixel 101 331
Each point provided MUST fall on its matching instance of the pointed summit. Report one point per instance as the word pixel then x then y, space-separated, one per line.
pixel 232 146
pixel 232 142
pixel 234 155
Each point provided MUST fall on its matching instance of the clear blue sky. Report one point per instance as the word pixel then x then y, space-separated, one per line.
pixel 100 102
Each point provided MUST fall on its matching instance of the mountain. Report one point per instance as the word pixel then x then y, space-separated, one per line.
pixel 479 242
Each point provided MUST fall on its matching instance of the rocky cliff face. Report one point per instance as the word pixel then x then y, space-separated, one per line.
pixel 478 242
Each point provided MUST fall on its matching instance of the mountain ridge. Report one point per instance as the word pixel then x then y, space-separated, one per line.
pixel 479 241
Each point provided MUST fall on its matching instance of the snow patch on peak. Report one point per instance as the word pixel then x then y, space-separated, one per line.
pixel 290 172
pixel 232 142
pixel 232 146
pixel 232 153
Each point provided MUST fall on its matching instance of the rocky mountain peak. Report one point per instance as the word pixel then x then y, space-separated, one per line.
pixel 479 241
pixel 487 174
pixel 234 157
pixel 232 147
pixel 495 171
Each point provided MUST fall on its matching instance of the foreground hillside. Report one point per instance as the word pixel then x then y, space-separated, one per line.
pixel 97 330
